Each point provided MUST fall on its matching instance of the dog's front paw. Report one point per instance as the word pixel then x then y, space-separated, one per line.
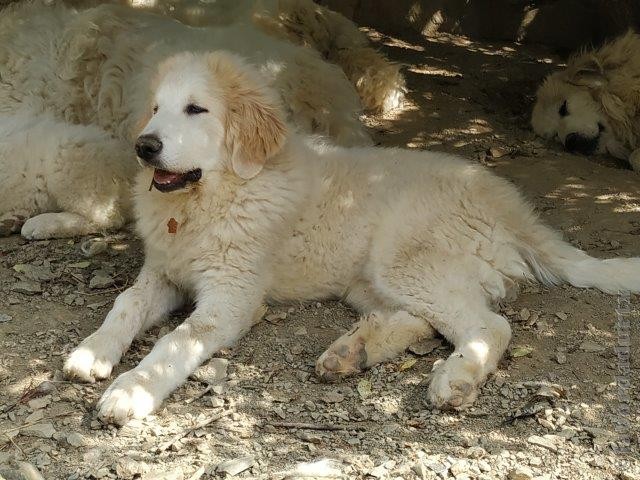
pixel 452 387
pixel 92 360
pixel 345 357
pixel 129 396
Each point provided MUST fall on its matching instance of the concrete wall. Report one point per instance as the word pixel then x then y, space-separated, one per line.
pixel 564 24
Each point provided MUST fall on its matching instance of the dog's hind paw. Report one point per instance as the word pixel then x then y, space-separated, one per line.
pixel 341 359
pixel 55 225
pixel 451 388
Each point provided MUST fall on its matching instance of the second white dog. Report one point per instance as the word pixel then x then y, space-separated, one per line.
pixel 242 211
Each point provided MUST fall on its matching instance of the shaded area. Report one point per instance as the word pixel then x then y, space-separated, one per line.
pixel 562 24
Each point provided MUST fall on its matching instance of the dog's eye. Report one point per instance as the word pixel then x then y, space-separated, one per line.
pixel 564 110
pixel 193 109
pixel 155 109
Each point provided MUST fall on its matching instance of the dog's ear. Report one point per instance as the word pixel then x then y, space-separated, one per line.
pixel 254 127
pixel 589 75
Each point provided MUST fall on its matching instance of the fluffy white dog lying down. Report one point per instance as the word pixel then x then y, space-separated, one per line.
pixel 74 85
pixel 379 82
pixel 242 210
pixel 593 106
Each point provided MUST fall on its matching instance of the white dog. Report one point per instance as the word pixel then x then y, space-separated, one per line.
pixel 379 82
pixel 74 85
pixel 243 210
pixel 593 106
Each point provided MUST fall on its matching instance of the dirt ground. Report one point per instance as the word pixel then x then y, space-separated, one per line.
pixel 552 410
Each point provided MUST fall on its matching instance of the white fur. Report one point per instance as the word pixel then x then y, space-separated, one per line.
pixel 415 241
pixel 74 92
pixel 601 93
pixel 379 82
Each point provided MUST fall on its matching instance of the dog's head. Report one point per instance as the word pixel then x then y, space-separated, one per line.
pixel 569 109
pixel 210 113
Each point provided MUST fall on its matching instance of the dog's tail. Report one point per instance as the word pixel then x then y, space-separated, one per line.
pixel 379 82
pixel 553 261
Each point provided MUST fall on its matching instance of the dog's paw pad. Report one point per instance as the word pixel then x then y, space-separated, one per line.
pixel 126 398
pixel 451 394
pixel 340 360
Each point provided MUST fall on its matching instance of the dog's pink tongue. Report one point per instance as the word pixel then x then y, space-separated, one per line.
pixel 164 177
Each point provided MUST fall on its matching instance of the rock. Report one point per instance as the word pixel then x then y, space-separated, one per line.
pixel 176 474
pixel 425 347
pixel 333 397
pixel 38 403
pixel 628 476
pixel 325 468
pixel 216 402
pixel 212 372
pixel 27 287
pixel 236 465
pixel 101 279
pixel 484 466
pixel 420 470
pixel 436 466
pixel 377 472
pixel 525 314
pixel 75 439
pixel 590 346
pixel 561 357
pixel 29 472
pixel 4 318
pixel 521 351
pixel 300 331
pixel 460 467
pixel 561 315
pixel 128 468
pixel 520 473
pixel 36 273
pixel 497 152
pixel 34 417
pixel 275 317
pixel 543 442
pixel 41 430
pixel 546 424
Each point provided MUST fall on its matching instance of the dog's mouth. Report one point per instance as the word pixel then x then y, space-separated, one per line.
pixel 166 181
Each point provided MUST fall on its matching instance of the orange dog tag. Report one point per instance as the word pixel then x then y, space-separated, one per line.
pixel 172 225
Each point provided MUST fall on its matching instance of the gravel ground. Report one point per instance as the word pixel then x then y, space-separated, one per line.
pixel 552 410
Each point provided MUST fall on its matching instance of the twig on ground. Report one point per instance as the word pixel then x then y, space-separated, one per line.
pixel 199 395
pixel 315 426
pixel 166 445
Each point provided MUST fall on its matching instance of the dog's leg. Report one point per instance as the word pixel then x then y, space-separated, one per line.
pixel 56 225
pixel 136 309
pixel 453 293
pixel 480 337
pixel 375 338
pixel 634 160
pixel 218 321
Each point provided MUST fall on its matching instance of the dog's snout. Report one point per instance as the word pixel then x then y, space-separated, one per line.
pixel 148 146
pixel 578 143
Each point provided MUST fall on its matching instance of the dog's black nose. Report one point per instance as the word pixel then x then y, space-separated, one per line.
pixel 578 143
pixel 148 146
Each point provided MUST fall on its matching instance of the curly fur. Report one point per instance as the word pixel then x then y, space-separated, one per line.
pixel 604 86
pixel 77 83
pixel 379 82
